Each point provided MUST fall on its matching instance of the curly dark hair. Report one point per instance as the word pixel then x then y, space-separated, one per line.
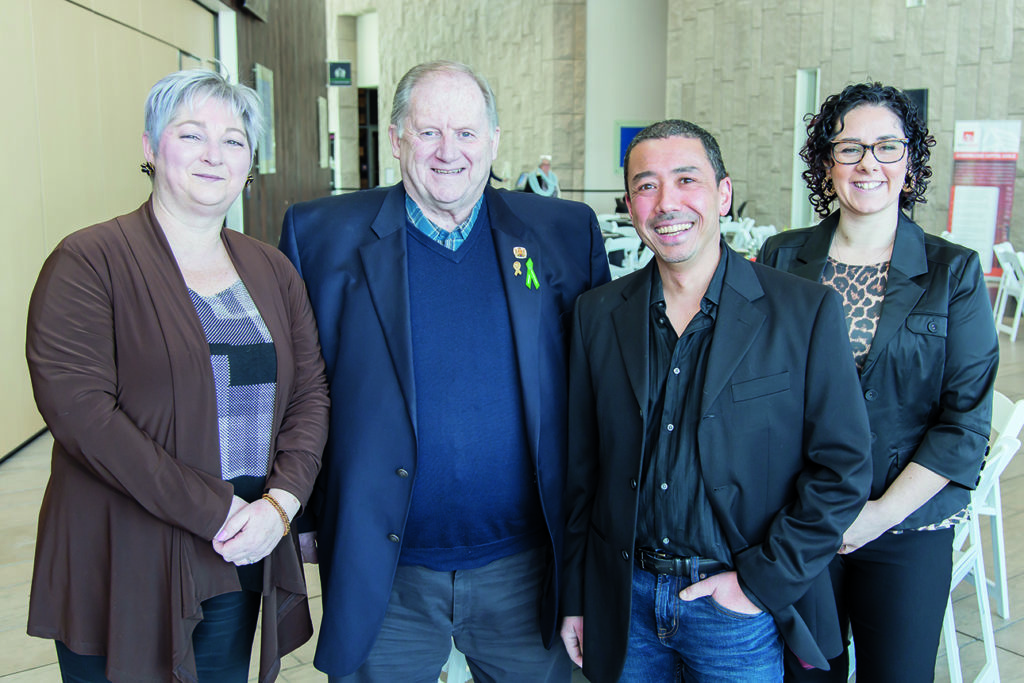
pixel 822 129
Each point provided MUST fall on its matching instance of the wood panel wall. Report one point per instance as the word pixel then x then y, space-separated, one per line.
pixel 76 79
pixel 293 44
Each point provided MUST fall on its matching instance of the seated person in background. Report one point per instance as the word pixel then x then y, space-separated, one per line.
pixel 542 181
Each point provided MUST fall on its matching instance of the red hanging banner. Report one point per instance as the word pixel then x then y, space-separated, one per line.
pixel 984 169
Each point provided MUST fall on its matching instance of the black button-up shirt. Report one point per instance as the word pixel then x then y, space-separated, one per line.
pixel 675 515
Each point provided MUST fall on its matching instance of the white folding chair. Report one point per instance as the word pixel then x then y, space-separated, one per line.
pixel 1011 284
pixel 612 223
pixel 1007 421
pixel 759 233
pixel 623 255
pixel 737 238
pixel 969 558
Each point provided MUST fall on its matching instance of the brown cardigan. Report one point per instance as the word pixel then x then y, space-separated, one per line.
pixel 121 373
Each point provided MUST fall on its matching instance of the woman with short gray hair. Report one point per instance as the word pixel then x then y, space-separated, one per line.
pixel 176 363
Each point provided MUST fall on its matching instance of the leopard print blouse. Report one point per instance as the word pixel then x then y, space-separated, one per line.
pixel 863 290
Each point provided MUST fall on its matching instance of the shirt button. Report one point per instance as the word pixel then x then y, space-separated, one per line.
pixel 664 486
pixel 665 541
pixel 670 427
pixel 625 555
pixel 393 538
pixel 402 472
pixel 675 371
pixel 632 484
pixel 661 321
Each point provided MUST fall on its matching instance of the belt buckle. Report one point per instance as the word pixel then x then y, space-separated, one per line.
pixel 648 559
pixel 667 561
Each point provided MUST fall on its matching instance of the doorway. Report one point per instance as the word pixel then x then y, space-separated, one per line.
pixel 368 139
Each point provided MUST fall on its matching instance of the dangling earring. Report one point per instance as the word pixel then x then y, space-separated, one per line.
pixel 827 188
pixel 908 185
pixel 248 180
pixel 147 168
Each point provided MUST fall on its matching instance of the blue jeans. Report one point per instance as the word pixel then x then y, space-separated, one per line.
pixel 674 640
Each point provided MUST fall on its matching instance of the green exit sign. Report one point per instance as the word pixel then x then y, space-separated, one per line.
pixel 339 73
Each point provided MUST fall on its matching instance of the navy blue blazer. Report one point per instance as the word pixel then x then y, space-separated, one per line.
pixel 928 377
pixel 782 442
pixel 351 251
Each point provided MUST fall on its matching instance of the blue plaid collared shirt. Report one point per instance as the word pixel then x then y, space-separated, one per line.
pixel 450 240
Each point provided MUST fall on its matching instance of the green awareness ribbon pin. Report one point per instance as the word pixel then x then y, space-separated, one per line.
pixel 531 277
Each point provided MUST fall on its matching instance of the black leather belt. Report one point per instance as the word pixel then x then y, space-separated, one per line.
pixel 658 562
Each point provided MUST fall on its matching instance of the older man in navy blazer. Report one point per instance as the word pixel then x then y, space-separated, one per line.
pixel 443 307
pixel 719 445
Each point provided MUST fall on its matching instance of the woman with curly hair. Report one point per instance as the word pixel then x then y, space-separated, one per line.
pixel 921 332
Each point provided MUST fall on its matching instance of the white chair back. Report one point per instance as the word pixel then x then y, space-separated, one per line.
pixel 969 561
pixel 987 499
pixel 1011 284
pixel 1004 252
pixel 737 233
pixel 623 254
pixel 1007 415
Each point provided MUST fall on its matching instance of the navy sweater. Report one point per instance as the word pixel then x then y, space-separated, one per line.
pixel 474 499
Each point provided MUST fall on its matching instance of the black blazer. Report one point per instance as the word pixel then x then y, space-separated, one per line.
pixel 351 251
pixel 928 377
pixel 783 448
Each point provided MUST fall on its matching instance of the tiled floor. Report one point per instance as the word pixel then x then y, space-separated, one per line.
pixel 31 660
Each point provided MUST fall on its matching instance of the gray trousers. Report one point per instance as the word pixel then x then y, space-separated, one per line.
pixel 492 613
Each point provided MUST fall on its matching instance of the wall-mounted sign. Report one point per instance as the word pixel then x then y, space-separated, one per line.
pixel 625 131
pixel 339 73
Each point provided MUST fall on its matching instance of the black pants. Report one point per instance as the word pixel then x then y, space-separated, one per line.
pixel 222 643
pixel 892 594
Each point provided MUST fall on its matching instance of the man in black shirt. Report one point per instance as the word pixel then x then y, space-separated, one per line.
pixel 718 445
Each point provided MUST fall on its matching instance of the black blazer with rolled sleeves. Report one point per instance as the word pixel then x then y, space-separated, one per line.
pixel 928 378
pixel 783 448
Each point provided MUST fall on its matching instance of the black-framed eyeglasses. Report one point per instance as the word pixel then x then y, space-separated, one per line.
pixel 885 151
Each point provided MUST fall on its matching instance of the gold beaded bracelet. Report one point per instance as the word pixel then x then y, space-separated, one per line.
pixel 280 510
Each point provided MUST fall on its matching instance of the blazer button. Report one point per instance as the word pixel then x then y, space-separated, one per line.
pixel 870 395
pixel 625 554
pixel 393 538
pixel 632 484
pixel 402 472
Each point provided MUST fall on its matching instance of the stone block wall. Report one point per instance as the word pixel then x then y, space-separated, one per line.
pixel 732 68
pixel 533 53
